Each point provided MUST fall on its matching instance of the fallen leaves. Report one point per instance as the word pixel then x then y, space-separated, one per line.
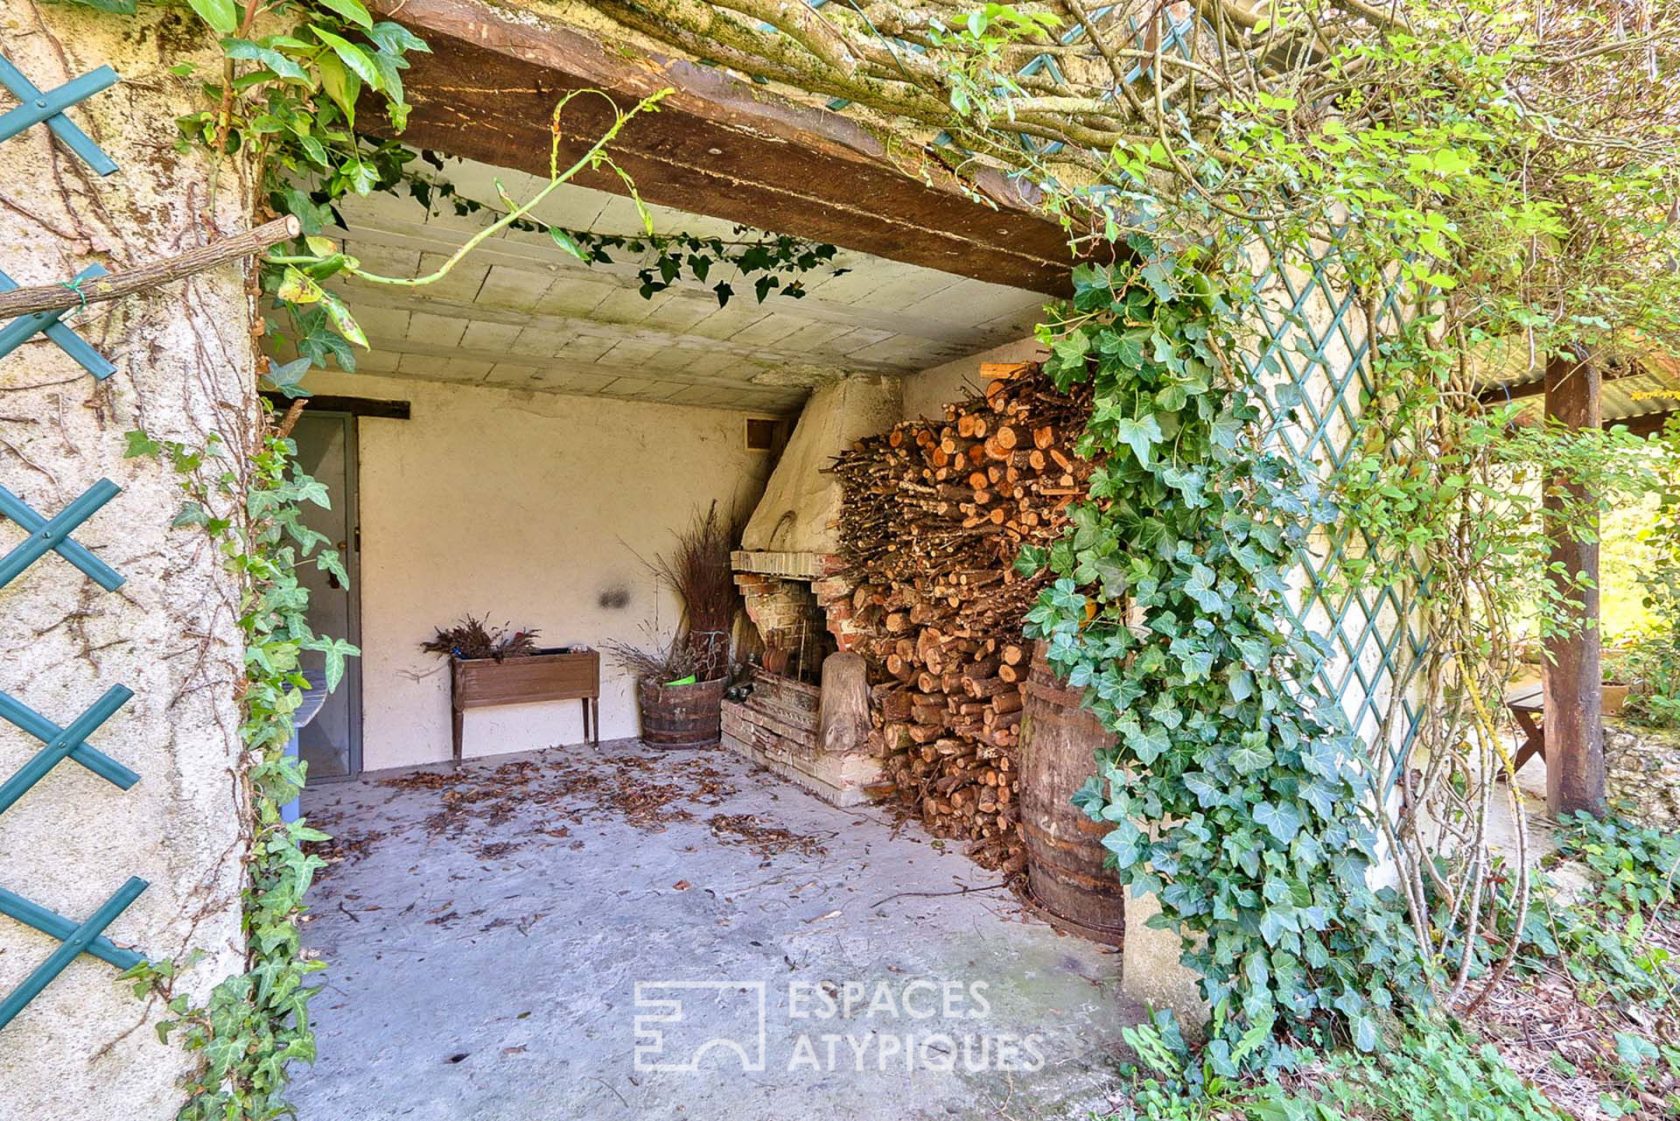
pixel 761 837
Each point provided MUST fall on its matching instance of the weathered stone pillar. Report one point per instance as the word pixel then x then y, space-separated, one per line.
pixel 86 1048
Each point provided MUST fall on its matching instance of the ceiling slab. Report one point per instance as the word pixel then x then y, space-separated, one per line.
pixel 520 312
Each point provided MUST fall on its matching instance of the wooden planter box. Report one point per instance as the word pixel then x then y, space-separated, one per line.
pixel 557 674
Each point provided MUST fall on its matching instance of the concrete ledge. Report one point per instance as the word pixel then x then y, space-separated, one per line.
pixel 1151 972
pixel 789 566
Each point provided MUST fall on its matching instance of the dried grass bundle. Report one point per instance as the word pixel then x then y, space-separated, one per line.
pixel 671 664
pixel 472 638
pixel 698 570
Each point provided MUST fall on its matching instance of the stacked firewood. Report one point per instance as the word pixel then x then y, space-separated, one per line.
pixel 934 516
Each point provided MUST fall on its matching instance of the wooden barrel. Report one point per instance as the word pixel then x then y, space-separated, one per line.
pixel 1066 880
pixel 681 715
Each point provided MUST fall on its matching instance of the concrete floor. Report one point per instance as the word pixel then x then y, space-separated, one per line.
pixel 487 932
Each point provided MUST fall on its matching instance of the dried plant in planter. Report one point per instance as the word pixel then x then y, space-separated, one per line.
pixel 671 664
pixel 698 570
pixel 471 638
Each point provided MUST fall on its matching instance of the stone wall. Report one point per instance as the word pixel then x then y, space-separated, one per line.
pixel 1643 769
pixel 86 1049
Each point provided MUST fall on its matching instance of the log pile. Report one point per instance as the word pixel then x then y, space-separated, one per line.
pixel 933 518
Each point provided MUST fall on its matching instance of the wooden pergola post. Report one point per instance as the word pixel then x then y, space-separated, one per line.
pixel 1574 728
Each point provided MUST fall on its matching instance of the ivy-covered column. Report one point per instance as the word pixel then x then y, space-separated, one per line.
pixel 184 354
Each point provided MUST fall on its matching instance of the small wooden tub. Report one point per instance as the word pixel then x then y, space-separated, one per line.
pixel 681 715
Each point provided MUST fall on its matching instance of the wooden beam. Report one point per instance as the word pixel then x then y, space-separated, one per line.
pixel 719 146
pixel 1647 424
pixel 1501 394
pixel 1574 727
pixel 355 406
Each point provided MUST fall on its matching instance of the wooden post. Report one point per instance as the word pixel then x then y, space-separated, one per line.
pixel 1574 730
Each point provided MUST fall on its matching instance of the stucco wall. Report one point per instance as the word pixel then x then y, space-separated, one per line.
pixel 926 393
pixel 802 502
pixel 527 508
pixel 86 1049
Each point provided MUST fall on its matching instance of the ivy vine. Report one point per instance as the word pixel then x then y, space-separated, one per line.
pixel 283 103
pixel 773 262
pixel 256 1022
pixel 1234 793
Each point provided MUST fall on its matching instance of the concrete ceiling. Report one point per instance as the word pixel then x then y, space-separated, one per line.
pixel 520 313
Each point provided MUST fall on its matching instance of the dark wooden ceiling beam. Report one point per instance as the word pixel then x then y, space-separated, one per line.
pixel 719 146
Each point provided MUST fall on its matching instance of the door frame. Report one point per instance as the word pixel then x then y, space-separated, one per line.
pixel 353 568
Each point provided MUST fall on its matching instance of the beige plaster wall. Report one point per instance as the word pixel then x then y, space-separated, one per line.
pixel 802 502
pixel 926 393
pixel 531 509
pixel 86 1049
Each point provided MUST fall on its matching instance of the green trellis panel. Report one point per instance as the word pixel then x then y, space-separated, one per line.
pixel 1315 335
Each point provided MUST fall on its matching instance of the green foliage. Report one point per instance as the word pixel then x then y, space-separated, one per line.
pixel 1432 1074
pixel 1652 665
pixel 1633 866
pixel 1233 793
pixel 256 1022
pixel 774 263
pixel 1427 1072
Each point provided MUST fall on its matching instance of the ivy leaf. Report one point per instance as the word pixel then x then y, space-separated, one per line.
pixel 724 291
pixel 342 85
pixel 351 10
pixel 1635 1050
pixel 1227 428
pixel 221 15
pixel 285 378
pixel 1274 923
pixel 351 55
pixel 1140 435
pixel 140 444
pixel 1030 561
pixel 1282 820
pixel 1199 587
pixel 566 241
pixel 1158 275
pixel 1365 1035
pixel 1148 744
pixel 394 38
pixel 297 287
pixel 1201 784
pixel 334 651
pixel 1321 798
pixel 192 513
pixel 1247 758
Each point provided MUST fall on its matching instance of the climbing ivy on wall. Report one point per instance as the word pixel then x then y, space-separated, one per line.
pixel 256 1022
pixel 1234 791
pixel 282 104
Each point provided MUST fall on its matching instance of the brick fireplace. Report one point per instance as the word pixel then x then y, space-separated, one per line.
pixel 800 715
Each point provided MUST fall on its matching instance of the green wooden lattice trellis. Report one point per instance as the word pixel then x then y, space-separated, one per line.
pixel 1370 636
pixel 53 535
